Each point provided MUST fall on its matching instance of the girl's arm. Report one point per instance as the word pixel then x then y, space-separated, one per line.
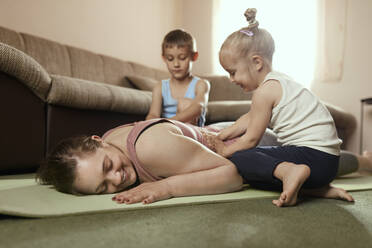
pixel 235 130
pixel 189 167
pixel 263 101
pixel 196 105
pixel 156 104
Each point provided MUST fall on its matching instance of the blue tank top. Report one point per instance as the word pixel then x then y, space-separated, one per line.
pixel 169 108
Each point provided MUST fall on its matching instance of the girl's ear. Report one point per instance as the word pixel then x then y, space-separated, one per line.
pixel 194 56
pixel 258 62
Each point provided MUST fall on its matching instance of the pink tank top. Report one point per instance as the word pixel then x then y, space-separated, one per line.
pixel 188 130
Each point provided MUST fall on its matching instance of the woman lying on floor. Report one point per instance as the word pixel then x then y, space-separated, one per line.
pixel 152 160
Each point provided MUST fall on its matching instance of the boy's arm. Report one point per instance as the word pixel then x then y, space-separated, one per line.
pixel 189 168
pixel 156 103
pixel 263 101
pixel 194 110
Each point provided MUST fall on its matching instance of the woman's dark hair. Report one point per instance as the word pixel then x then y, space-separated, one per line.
pixel 58 168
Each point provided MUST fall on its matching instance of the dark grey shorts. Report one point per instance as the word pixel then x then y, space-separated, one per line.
pixel 257 165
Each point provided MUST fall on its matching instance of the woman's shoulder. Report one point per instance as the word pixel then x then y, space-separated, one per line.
pixel 156 134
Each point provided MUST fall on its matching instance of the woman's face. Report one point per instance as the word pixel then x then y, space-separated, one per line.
pixel 106 171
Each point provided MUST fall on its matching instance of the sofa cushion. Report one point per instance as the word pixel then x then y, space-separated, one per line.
pixel 21 66
pixel 11 38
pixel 142 83
pixel 142 70
pixel 86 65
pixel 51 55
pixel 115 71
pixel 83 94
pixel 223 89
pixel 226 110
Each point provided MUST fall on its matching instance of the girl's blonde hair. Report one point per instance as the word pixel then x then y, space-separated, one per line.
pixel 251 40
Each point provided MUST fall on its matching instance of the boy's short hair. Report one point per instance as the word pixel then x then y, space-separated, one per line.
pixel 180 38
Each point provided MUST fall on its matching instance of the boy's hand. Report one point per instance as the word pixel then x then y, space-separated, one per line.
pixel 145 193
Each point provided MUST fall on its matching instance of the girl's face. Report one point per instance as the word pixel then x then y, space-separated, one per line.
pixel 179 61
pixel 106 171
pixel 241 70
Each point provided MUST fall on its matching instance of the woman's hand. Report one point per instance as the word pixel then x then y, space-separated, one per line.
pixel 145 193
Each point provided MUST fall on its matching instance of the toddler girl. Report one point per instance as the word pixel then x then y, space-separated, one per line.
pixel 309 156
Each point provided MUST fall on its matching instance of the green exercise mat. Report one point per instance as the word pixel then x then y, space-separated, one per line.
pixel 20 195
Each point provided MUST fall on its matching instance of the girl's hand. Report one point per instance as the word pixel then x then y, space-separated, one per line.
pixel 220 147
pixel 224 134
pixel 145 193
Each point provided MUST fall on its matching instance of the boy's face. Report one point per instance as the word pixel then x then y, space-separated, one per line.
pixel 179 61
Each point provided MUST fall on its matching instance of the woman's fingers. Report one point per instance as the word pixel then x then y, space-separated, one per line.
pixel 145 193
pixel 128 197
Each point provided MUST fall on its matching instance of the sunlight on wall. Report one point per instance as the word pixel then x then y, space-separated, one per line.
pixel 292 24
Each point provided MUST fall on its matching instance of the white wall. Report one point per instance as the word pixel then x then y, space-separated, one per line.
pixel 357 71
pixel 198 20
pixel 127 29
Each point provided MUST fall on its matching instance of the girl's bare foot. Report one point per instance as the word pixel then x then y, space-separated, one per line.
pixel 292 177
pixel 329 192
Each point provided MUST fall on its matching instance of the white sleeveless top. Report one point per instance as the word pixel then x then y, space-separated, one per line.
pixel 300 119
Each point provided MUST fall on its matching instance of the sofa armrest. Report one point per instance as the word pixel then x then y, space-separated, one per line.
pixel 84 94
pixel 345 122
pixel 24 68
pixel 226 110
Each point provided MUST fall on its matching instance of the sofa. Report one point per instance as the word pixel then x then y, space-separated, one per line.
pixel 50 91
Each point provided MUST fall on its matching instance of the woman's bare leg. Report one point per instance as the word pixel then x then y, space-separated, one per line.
pixel 292 176
pixel 365 161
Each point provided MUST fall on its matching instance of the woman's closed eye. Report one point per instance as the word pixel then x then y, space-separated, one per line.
pixel 107 165
pixel 106 168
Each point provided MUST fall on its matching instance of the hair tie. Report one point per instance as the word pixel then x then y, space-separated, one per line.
pixel 250 15
pixel 247 32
